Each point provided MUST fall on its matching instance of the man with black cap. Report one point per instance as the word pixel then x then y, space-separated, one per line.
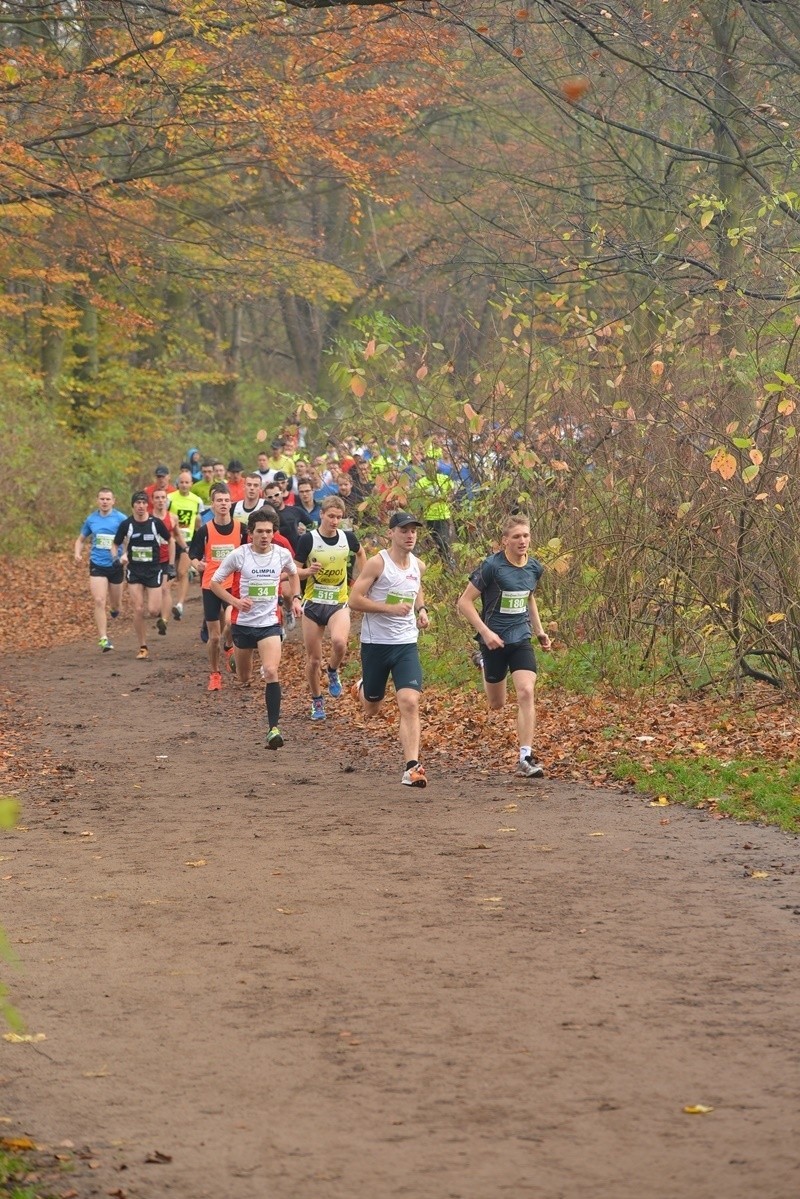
pixel 389 594
pixel 161 480
pixel 235 480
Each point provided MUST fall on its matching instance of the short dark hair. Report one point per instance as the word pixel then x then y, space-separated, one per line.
pixel 220 489
pixel 139 495
pixel 261 515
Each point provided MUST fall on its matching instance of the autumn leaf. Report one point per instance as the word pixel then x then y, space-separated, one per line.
pixel 776 617
pixel 358 386
pixel 574 89
pixel 697 1109
pixel 199 862
pixel 657 368
pixel 724 464
pixel 157 37
pixel 422 372
pixel 17 1144
pixel 24 1038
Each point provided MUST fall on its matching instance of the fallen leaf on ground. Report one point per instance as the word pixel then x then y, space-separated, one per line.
pixel 158 1159
pixel 597 834
pixel 24 1038
pixel 759 874
pixel 697 1109
pixel 17 1144
pixel 199 862
pixel 661 802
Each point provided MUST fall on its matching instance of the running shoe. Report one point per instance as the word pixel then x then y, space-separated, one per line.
pixel 415 777
pixel 230 658
pixel 318 708
pixel 334 684
pixel 204 633
pixel 215 681
pixel 274 738
pixel 161 625
pixel 476 657
pixel 177 611
pixel 105 644
pixel 530 769
pixel 143 652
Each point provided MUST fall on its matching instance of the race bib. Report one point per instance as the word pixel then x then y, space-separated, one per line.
pixel 324 595
pixel 514 601
pixel 104 541
pixel 218 552
pixel 262 590
pixel 395 598
pixel 141 553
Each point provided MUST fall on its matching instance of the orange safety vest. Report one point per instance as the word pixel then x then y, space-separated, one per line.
pixel 218 546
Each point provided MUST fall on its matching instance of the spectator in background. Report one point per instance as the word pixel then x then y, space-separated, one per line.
pixel 194 464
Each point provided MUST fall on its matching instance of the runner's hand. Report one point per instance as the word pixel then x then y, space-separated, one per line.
pixel 492 640
pixel 170 571
pixel 398 609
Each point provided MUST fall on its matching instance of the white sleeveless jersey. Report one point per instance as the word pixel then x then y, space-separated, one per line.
pixel 396 585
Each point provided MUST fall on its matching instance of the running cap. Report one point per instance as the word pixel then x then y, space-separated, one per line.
pixel 235 464
pixel 401 520
pixel 162 471
pixel 277 444
pixel 280 476
pixel 140 495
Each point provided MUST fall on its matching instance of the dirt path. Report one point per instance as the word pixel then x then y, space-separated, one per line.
pixel 294 978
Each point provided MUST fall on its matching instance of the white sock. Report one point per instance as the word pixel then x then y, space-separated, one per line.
pixel 524 752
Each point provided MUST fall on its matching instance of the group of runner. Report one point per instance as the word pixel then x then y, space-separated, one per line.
pixel 254 579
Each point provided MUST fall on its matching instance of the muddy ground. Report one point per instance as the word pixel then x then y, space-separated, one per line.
pixel 285 975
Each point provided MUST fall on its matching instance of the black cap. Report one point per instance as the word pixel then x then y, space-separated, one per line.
pixel 140 495
pixel 402 520
pixel 277 443
pixel 280 476
pixel 235 464
pixel 162 470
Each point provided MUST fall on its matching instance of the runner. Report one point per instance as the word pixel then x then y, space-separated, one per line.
pixel 211 544
pixel 185 505
pixel 253 499
pixel 105 573
pixel 160 479
pixel 236 480
pixel 140 537
pixel 505 582
pixel 389 593
pixel 260 566
pixel 166 555
pixel 323 556
pixel 308 510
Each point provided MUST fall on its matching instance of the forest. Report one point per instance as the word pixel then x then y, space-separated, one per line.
pixel 561 236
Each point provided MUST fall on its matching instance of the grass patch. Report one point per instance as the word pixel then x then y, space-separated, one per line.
pixel 745 788
pixel 13 1172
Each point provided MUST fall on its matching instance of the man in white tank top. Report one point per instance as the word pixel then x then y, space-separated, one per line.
pixel 389 594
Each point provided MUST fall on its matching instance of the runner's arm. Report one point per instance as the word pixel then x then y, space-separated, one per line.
pixel 536 623
pixel 466 608
pixel 77 549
